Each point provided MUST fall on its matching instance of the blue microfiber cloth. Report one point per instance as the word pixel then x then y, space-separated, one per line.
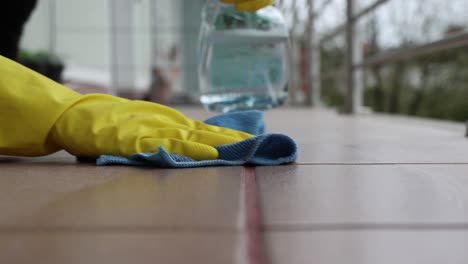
pixel 264 149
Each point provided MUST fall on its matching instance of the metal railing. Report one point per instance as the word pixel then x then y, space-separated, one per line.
pixel 450 42
pixel 354 62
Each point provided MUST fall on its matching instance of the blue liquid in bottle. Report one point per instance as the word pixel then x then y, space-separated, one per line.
pixel 244 59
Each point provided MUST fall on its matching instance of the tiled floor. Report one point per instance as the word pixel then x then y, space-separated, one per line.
pixel 366 189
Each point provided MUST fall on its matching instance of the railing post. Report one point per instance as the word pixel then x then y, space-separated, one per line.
pixel 358 72
pixel 154 31
pixel 314 78
pixel 53 27
pixel 349 59
pixel 191 18
pixel 295 75
pixel 121 45
pixel 466 132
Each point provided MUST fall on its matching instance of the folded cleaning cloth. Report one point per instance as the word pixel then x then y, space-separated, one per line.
pixel 264 149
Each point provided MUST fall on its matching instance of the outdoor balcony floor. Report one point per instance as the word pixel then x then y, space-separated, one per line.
pixel 365 189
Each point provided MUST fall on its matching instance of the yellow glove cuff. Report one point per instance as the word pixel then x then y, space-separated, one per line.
pixel 248 5
pixel 29 106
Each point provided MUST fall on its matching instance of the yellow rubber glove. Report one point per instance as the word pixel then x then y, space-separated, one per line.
pixel 39 117
pixel 248 5
pixel 30 104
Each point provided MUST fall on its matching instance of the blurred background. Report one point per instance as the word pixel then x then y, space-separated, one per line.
pixel 394 56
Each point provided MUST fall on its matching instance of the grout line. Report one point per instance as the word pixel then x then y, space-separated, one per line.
pixel 255 243
pixel 255 231
pixel 459 226
pixel 241 252
pixel 115 229
pixel 377 163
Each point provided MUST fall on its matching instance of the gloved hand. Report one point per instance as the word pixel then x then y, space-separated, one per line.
pixel 39 117
pixel 248 5
pixel 102 124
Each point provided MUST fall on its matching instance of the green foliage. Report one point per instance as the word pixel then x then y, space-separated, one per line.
pixel 440 90
pixel 38 57
pixel 44 63
pixel 332 59
pixel 443 92
pixel 445 103
pixel 331 95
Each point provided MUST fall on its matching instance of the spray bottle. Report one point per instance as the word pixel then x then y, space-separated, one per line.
pixel 244 58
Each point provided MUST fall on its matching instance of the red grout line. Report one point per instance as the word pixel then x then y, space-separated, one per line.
pixel 256 249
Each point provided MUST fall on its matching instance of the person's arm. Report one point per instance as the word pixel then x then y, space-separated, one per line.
pixel 39 117
pixel 30 104
pixel 13 16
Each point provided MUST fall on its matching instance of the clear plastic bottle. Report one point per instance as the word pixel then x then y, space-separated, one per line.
pixel 244 58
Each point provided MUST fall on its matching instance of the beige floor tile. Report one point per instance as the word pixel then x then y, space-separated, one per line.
pixel 375 247
pixel 103 248
pixel 386 194
pixel 49 193
pixel 324 136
